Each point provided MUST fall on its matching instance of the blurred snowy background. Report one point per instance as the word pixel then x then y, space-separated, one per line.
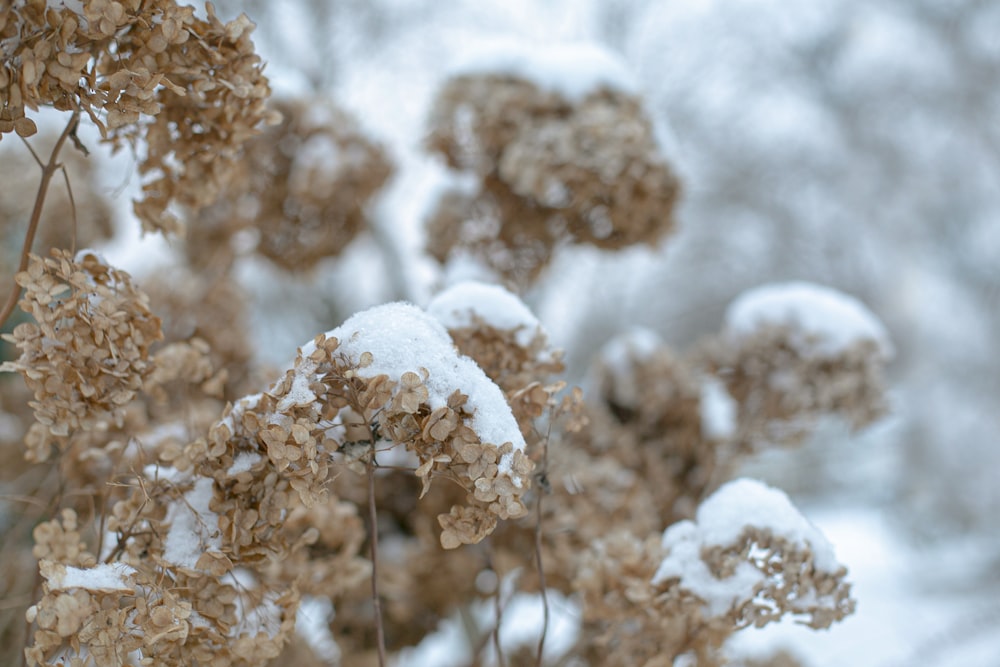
pixel 853 143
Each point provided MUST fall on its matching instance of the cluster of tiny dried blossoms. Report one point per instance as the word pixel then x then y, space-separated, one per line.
pixel 441 437
pixel 647 414
pixel 190 90
pixel 301 193
pixel 651 601
pixel 520 370
pixel 136 611
pixel 783 388
pixel 87 352
pixel 550 170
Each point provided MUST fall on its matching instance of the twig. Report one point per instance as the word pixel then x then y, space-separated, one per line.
pixel 373 541
pixel 498 609
pixel 72 205
pixel 53 507
pixel 48 170
pixel 542 490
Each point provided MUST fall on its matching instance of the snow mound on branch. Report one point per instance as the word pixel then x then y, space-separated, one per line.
pixel 101 577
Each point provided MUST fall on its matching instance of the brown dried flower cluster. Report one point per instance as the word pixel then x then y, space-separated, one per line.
pixel 614 580
pixel 301 193
pixel 649 602
pixel 102 614
pixel 550 170
pixel 518 357
pixel 647 413
pixel 200 81
pixel 783 391
pixel 86 354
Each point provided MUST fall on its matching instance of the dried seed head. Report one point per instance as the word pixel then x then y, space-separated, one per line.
pixel 86 354
pixel 550 169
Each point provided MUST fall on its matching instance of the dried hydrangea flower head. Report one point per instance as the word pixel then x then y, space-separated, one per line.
pixel 652 412
pixel 303 189
pixel 562 150
pixel 387 377
pixel 793 352
pixel 86 354
pixel 191 89
pixel 748 559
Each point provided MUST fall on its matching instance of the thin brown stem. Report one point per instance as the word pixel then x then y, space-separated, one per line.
pixel 52 509
pixel 543 488
pixel 48 171
pixel 498 610
pixel 373 541
pixel 72 206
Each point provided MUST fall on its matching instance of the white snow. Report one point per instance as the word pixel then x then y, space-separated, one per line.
pixel 823 320
pixel 256 612
pixel 194 528
pixel 84 253
pixel 262 617
pixel 101 577
pixel 685 541
pixel 573 70
pixel 718 410
pixel 318 161
pixel 620 355
pixel 634 345
pixel 243 462
pixel 401 338
pixel 501 309
pixel 312 624
pixel 520 625
pixel 720 520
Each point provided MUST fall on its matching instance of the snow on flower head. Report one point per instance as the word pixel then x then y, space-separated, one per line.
pixel 457 306
pixel 823 321
pixel 572 70
pixel 399 337
pixel 750 556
